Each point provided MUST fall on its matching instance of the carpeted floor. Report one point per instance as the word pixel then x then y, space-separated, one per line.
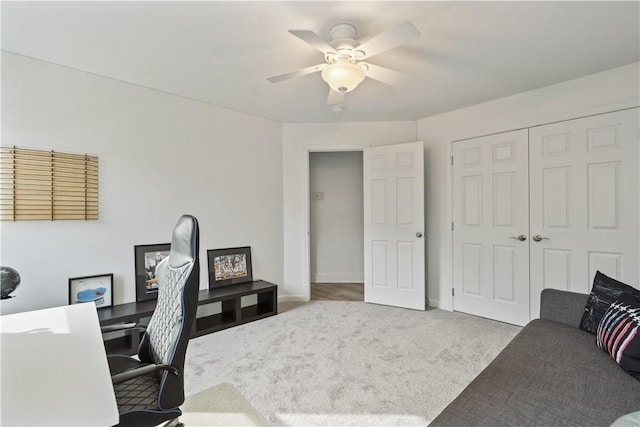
pixel 348 363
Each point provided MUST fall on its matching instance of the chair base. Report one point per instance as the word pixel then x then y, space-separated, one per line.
pixel 173 423
pixel 150 419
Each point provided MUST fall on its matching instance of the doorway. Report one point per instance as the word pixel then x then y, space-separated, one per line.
pixel 336 225
pixel 337 292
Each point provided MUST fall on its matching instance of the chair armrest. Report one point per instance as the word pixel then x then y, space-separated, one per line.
pixel 117 327
pixel 144 370
pixel 562 306
pixel 122 327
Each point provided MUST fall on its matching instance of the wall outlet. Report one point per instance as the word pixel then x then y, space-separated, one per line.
pixel 316 196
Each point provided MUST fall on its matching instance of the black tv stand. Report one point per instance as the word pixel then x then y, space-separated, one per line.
pixel 227 306
pixel 234 312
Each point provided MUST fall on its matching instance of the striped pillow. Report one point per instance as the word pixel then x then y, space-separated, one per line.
pixel 619 335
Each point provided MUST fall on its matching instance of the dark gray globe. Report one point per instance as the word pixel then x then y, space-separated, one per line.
pixel 10 280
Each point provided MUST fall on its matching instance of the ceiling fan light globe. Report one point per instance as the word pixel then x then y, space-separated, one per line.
pixel 343 76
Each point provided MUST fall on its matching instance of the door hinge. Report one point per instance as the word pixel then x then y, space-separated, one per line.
pixel 452 226
pixel 453 292
pixel 451 160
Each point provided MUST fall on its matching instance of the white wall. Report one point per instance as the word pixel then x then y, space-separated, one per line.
pixel 298 140
pixel 160 156
pixel 607 91
pixel 244 177
pixel 337 221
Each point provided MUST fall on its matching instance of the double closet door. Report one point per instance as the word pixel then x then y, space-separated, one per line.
pixel 544 207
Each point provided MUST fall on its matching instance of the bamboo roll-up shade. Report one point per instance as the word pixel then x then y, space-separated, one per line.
pixel 47 185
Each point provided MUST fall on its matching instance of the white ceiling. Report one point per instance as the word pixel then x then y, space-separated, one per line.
pixel 222 52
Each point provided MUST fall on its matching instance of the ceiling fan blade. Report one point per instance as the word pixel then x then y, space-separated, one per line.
pixel 297 73
pixel 335 97
pixel 313 39
pixel 400 34
pixel 384 75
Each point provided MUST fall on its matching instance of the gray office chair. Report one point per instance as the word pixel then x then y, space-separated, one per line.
pixel 149 391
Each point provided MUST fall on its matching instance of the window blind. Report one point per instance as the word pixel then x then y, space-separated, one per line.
pixel 47 185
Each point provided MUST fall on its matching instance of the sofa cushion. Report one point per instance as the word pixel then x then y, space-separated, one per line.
pixel 619 335
pixel 604 292
pixel 562 306
pixel 549 374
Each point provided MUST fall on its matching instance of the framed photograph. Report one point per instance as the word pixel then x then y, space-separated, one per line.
pixel 229 266
pixel 147 258
pixel 96 289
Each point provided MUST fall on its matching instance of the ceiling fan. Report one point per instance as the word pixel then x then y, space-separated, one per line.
pixel 344 67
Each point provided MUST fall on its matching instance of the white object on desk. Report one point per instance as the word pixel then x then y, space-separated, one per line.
pixel 54 369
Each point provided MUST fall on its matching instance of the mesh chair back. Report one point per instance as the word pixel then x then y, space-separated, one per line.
pixel 167 335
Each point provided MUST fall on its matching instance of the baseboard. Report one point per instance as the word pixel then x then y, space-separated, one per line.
pixel 292 298
pixel 338 278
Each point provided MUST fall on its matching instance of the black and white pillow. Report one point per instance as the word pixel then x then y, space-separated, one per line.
pixel 605 291
pixel 619 335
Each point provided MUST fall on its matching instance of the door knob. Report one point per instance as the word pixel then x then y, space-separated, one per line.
pixel 521 237
pixel 418 234
pixel 537 238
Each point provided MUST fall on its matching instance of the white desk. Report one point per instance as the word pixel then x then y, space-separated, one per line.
pixel 54 369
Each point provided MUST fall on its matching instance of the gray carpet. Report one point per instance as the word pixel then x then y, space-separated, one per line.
pixel 348 363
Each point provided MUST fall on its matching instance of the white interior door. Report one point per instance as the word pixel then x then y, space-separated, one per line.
pixel 491 227
pixel 394 248
pixel 584 202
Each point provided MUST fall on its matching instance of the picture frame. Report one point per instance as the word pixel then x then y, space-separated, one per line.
pixel 147 257
pixel 229 266
pixel 97 289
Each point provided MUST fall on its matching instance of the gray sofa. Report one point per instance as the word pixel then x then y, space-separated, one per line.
pixel 551 374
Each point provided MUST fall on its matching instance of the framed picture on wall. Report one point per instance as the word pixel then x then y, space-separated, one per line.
pixel 96 289
pixel 147 258
pixel 229 266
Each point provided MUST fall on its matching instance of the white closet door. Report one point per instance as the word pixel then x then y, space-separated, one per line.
pixel 584 202
pixel 491 226
pixel 394 225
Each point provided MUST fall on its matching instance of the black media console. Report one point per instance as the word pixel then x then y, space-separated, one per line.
pixel 217 309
